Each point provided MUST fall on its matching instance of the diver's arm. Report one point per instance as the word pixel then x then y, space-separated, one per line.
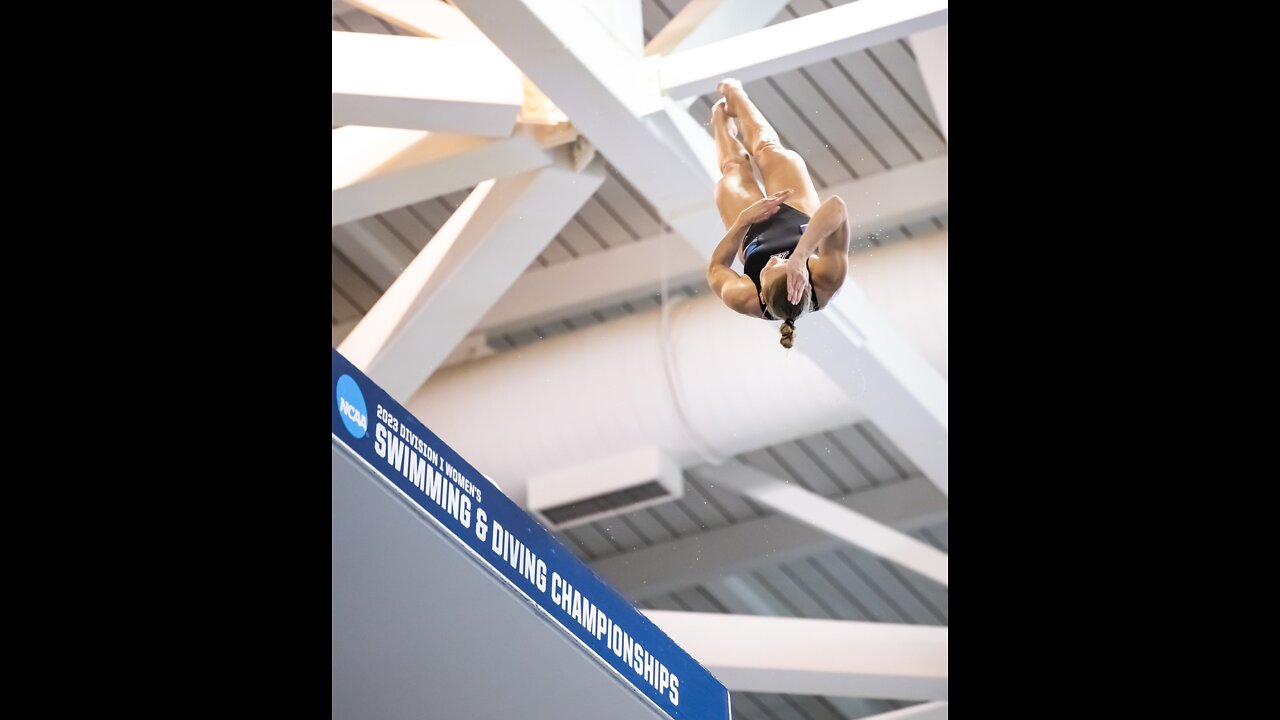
pixel 828 236
pixel 736 291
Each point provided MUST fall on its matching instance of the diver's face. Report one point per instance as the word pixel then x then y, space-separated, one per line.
pixel 770 271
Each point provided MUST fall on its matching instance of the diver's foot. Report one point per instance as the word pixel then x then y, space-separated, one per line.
pixel 724 85
pixel 720 114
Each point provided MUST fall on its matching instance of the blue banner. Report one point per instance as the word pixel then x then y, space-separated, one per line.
pixel 518 549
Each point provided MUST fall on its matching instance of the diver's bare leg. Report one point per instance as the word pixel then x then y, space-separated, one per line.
pixel 780 168
pixel 737 187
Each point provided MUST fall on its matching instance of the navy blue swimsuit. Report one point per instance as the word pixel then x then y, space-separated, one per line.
pixel 776 236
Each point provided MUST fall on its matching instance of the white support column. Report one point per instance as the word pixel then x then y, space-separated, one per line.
pixel 796 43
pixel 706 21
pixel 814 657
pixel 745 546
pixel 931 56
pixel 831 517
pixel 490 239
pixel 424 84
pixel 381 169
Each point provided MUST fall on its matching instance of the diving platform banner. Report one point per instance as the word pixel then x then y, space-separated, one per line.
pixel 506 540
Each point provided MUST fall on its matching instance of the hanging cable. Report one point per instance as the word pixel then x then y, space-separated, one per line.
pixel 700 444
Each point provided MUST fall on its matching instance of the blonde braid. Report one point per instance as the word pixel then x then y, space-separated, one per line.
pixel 788 333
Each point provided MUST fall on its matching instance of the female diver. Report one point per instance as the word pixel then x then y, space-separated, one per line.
pixel 794 248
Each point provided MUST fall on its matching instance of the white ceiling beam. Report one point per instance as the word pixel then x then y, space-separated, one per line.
pixel 886 376
pixel 624 272
pixel 924 711
pixel 751 544
pixel 796 43
pixel 739 597
pixel 342 329
pixel 876 203
pixel 622 18
pixel 804 656
pixel 613 98
pixel 831 517
pixel 432 18
pixel 705 21
pixel 895 197
pixel 469 349
pixel 563 44
pixel 377 254
pixel 611 93
pixel 489 240
pixel 733 593
pixel 381 169
pixel 428 18
pixel 424 84
pixel 931 55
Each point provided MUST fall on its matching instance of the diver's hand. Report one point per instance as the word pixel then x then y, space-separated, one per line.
pixel 797 279
pixel 763 208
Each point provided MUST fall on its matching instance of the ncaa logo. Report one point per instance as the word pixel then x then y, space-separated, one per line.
pixel 351 407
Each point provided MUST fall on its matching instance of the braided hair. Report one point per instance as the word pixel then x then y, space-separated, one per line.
pixel 788 333
pixel 775 300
